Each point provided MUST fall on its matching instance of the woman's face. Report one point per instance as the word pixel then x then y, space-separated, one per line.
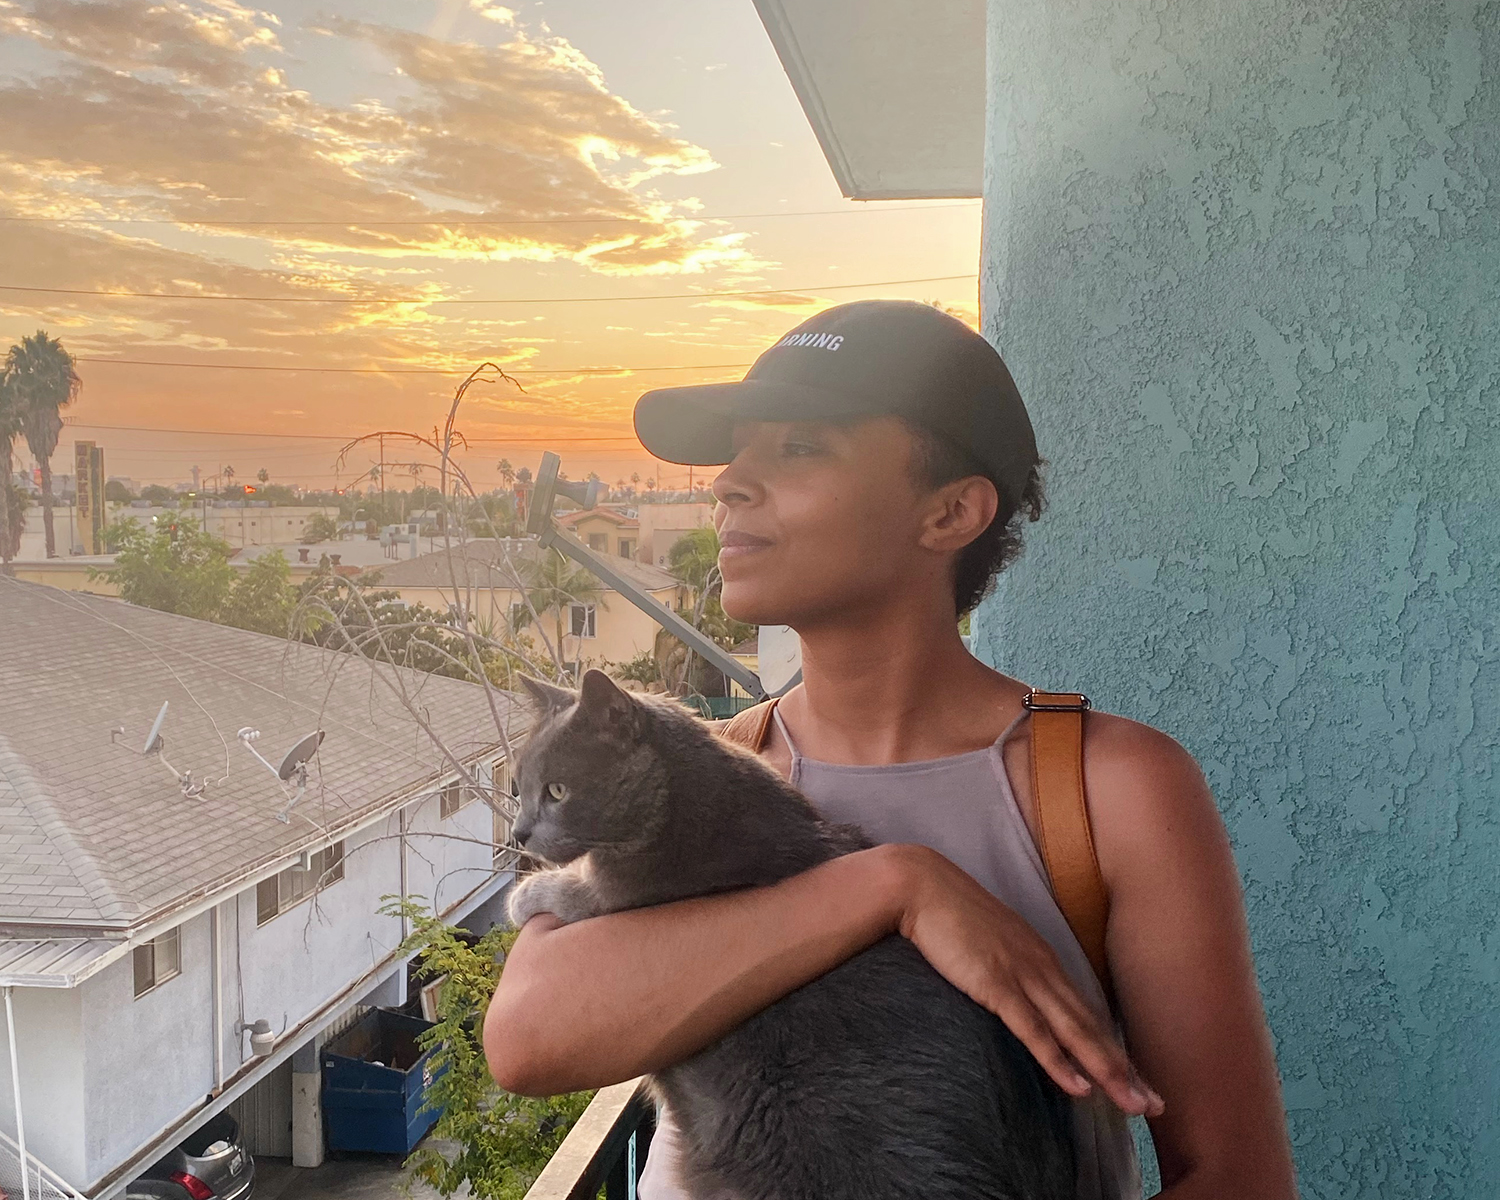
pixel 816 518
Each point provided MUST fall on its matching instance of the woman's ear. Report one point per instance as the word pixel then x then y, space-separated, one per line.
pixel 959 512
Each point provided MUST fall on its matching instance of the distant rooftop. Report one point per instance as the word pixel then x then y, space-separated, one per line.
pixel 352 552
pixel 479 563
pixel 609 514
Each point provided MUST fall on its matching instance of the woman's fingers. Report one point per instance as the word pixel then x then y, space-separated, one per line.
pixel 1023 1020
pixel 989 952
pixel 1081 1034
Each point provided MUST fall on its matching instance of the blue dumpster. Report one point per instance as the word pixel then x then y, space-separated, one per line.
pixel 375 1081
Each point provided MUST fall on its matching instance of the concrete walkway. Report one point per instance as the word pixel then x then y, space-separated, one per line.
pixel 344 1176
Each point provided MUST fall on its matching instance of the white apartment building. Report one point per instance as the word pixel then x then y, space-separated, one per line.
pixel 153 905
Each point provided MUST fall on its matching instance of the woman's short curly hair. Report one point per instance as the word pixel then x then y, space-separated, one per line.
pixel 936 461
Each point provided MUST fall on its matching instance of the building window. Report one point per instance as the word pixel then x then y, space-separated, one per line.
pixel 157 961
pixel 284 890
pixel 500 822
pixel 627 547
pixel 598 541
pixel 452 798
pixel 581 620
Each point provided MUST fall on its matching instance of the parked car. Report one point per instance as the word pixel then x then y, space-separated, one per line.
pixel 211 1164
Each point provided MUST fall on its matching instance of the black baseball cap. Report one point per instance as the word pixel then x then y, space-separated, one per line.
pixel 869 358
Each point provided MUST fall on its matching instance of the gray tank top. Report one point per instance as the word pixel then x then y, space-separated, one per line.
pixel 963 807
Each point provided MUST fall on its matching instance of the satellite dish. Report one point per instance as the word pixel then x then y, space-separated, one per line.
pixel 778 657
pixel 153 739
pixel 298 755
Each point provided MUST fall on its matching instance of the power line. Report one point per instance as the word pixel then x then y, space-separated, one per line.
pixel 356 223
pixel 329 437
pixel 147 362
pixel 780 291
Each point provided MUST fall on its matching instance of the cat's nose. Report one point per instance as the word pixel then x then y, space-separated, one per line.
pixel 522 832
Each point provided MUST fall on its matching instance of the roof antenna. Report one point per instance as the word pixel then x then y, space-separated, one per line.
pixel 293 768
pixel 154 747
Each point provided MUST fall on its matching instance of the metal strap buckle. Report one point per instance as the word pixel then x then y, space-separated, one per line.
pixel 1055 702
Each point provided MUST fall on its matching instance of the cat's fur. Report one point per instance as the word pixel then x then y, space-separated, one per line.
pixel 876 1081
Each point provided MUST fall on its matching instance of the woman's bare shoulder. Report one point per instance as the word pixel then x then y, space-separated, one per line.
pixel 1148 798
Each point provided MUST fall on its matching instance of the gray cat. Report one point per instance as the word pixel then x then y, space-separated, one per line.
pixel 875 1081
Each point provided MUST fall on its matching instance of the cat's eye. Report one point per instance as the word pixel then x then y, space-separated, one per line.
pixel 556 791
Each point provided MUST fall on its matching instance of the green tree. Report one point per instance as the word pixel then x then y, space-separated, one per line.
pixel 553 582
pixel 117 493
pixel 263 598
pixel 157 494
pixel 507 472
pixel 12 520
pixel 694 559
pixel 263 475
pixel 320 527
pixel 643 668
pixel 503 1140
pixel 174 566
pixel 39 381
pixel 694 555
pixel 13 505
pixel 367 619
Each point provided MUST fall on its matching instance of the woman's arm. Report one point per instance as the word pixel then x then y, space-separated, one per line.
pixel 1179 952
pixel 616 996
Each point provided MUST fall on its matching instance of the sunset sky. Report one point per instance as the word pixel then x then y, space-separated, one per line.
pixel 420 156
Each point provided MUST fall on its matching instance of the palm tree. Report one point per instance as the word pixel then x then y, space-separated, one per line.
pixel 228 474
pixel 263 475
pixel 38 380
pixel 507 472
pixel 635 479
pixel 10 429
pixel 552 581
pixel 693 556
pixel 13 513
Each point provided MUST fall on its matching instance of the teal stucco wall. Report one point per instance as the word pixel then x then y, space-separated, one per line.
pixel 1243 258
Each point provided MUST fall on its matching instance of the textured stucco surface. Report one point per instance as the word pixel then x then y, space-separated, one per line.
pixel 1243 259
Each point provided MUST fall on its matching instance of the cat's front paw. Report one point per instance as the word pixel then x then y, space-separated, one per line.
pixel 559 892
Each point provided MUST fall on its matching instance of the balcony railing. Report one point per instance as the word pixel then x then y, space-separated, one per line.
pixel 606 1148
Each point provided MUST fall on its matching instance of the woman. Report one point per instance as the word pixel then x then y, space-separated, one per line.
pixel 879 466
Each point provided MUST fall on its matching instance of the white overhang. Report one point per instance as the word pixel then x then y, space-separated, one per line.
pixel 894 90
pixel 55 962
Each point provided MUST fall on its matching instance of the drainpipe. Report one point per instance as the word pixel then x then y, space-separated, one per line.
pixel 217 957
pixel 15 1083
pixel 402 825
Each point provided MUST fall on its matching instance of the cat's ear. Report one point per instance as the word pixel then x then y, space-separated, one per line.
pixel 601 699
pixel 549 698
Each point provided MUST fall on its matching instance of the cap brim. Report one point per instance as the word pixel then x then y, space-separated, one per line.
pixel 694 426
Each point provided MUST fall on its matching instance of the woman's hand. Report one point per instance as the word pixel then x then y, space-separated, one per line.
pixel 987 951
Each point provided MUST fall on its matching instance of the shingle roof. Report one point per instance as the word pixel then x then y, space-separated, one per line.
pixel 94 834
pixel 481 559
pixel 582 514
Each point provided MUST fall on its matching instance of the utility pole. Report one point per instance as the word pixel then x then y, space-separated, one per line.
pixel 384 516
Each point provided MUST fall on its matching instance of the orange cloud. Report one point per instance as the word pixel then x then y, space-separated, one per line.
pixel 517 150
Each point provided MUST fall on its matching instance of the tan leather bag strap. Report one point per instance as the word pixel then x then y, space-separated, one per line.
pixel 751 727
pixel 1062 818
